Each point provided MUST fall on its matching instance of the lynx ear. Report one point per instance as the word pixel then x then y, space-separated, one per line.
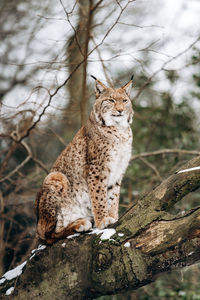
pixel 128 86
pixel 99 87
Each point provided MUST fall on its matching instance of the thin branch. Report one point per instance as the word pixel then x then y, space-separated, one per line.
pixel 72 26
pixel 165 151
pixel 96 5
pixel 40 164
pixel 16 169
pixel 58 137
pixel 16 138
pixel 69 13
pixel 151 166
pixel 139 26
pixel 163 66
pixel 102 63
pixel 114 24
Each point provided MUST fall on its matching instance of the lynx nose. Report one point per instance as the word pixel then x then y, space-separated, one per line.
pixel 120 110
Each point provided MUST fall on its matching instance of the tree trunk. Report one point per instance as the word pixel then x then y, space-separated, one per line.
pixel 77 52
pixel 145 242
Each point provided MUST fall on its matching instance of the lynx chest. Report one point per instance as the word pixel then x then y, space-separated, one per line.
pixel 119 158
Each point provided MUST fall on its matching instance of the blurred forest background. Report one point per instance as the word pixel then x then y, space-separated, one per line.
pixel 47 51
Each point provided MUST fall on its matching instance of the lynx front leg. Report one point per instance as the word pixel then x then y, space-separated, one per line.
pixel 113 201
pixel 98 193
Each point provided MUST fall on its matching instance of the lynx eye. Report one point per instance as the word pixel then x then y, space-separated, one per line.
pixel 111 100
pixel 125 100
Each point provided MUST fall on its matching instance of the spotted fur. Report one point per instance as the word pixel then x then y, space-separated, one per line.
pixel 83 186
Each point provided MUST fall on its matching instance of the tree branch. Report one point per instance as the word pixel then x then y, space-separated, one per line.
pixel 143 243
pixel 165 234
pixel 154 205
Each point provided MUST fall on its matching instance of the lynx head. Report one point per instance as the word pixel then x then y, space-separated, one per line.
pixel 113 107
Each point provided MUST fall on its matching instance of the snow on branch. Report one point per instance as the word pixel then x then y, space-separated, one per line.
pixel 188 170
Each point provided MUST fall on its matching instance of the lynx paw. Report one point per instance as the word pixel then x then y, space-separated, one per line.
pixel 84 226
pixel 105 222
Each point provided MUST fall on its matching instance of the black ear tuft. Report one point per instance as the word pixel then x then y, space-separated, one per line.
pixel 127 87
pixel 93 77
pixel 132 77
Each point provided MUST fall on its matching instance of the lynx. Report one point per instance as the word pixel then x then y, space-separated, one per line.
pixel 83 186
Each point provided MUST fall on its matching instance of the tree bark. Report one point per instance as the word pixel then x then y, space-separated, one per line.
pixel 77 51
pixel 146 241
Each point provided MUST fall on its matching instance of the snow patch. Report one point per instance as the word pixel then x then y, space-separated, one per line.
pixel 120 234
pixel 189 170
pixel 63 244
pixel 9 291
pixel 14 272
pixel 105 233
pixel 127 244
pixel 73 235
pixel 18 270
pixel 32 256
pixel 2 280
pixel 39 248
pixel 95 231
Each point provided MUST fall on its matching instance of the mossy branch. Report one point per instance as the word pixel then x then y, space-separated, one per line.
pixel 146 241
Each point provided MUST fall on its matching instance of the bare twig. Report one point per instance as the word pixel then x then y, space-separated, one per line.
pixel 16 169
pixel 58 137
pixel 165 151
pixel 72 26
pixel 151 166
pixel 163 66
pixel 139 26
pixel 96 5
pixel 16 138
pixel 103 65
